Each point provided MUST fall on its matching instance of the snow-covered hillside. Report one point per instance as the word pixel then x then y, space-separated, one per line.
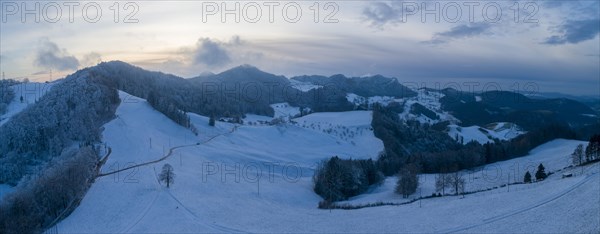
pixel 500 131
pixel 30 91
pixel 426 108
pixel 303 86
pixel 249 178
pixel 429 100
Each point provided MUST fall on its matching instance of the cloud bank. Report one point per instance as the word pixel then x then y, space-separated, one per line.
pixel 50 56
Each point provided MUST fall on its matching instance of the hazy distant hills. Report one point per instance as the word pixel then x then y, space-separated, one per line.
pixel 246 89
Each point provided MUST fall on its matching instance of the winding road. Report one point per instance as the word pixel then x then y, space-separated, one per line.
pixel 171 150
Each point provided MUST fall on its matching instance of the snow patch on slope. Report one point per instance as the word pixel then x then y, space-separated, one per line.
pixel 285 110
pixel 431 101
pixel 500 131
pixel 303 86
pixel 368 102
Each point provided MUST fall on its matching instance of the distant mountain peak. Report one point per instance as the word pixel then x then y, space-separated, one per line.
pixel 206 74
pixel 245 65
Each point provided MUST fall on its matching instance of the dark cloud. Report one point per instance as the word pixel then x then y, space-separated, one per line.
pixel 574 31
pixel 380 13
pixel 212 53
pixel 465 30
pixel 50 56
pixel 461 31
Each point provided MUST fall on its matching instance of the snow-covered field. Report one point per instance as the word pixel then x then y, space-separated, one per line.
pixel 500 131
pixel 554 155
pixel 245 178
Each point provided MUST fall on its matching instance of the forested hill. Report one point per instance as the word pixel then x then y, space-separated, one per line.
pixel 70 114
pixel 242 90
pixel 496 106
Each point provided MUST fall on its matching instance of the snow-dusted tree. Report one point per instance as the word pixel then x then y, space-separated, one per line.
pixel 457 182
pixel 540 174
pixel 577 155
pixel 408 181
pixel 442 181
pixel 167 175
pixel 527 178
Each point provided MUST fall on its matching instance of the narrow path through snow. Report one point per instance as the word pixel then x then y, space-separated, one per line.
pixel 171 150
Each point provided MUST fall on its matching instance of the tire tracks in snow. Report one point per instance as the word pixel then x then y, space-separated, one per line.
pixel 524 209
pixel 157 185
pixel 197 219
pixel 146 210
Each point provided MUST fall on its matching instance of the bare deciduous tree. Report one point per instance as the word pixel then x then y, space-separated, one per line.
pixel 167 175
pixel 577 155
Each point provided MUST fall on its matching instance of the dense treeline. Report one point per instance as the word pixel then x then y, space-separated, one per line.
pixel 42 199
pixel 403 139
pixel 503 106
pixel 411 147
pixel 592 151
pixel 435 151
pixel 176 95
pixel 165 106
pixel 338 179
pixel 72 112
pixel 363 86
pixel 241 90
pixel 474 154
pixel 324 99
pixel 6 94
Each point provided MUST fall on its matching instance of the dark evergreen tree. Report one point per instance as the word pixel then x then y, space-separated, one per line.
pixel 211 120
pixel 527 178
pixel 541 173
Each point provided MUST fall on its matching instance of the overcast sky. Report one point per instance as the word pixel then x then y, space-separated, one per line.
pixel 551 44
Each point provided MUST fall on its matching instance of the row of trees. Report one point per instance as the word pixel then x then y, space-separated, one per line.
pixel 591 153
pixel 453 180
